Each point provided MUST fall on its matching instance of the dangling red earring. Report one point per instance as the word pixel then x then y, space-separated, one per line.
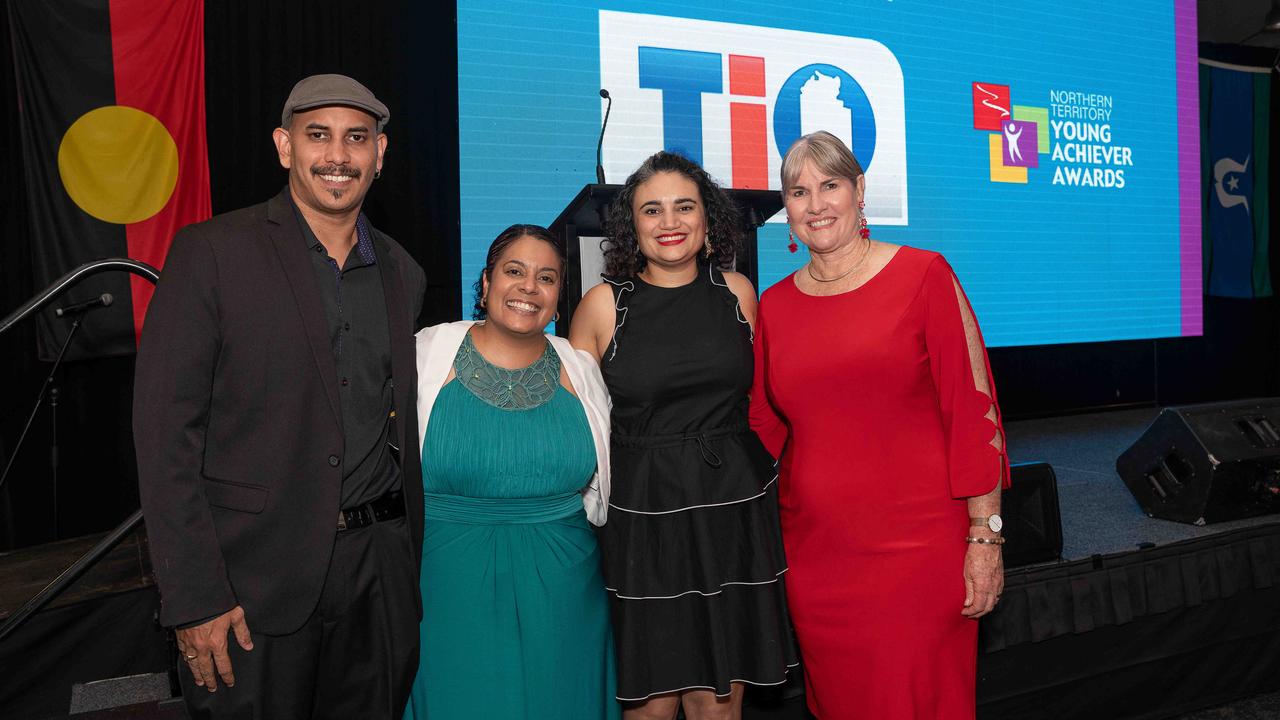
pixel 863 231
pixel 792 245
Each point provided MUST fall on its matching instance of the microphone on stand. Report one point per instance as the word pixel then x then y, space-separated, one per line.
pixel 103 300
pixel 600 145
pixel 75 311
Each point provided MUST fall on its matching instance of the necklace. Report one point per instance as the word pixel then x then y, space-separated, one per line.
pixel 809 268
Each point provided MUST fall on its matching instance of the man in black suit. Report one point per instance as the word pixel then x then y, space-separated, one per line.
pixel 276 435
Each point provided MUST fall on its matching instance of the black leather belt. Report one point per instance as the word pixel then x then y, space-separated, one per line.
pixel 387 507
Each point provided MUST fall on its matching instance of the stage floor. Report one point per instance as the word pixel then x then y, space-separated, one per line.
pixel 1099 515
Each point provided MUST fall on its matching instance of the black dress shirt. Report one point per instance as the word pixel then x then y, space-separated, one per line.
pixel 356 311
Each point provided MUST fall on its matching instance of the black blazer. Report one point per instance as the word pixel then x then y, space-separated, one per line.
pixel 237 422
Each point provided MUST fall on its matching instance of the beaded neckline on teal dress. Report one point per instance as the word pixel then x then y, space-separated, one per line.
pixel 519 389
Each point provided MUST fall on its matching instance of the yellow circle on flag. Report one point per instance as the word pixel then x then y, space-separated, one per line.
pixel 119 164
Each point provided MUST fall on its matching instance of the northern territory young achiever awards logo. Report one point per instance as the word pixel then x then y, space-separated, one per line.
pixel 1073 130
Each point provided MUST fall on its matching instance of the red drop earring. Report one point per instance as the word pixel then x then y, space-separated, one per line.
pixel 792 245
pixel 863 230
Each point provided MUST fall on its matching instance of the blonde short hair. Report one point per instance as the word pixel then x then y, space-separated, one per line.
pixel 827 152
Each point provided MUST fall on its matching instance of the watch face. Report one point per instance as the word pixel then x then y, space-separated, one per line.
pixel 995 523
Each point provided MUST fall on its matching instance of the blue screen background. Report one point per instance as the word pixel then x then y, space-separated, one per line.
pixel 1041 263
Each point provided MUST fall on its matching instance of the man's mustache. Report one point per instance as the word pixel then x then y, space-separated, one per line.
pixel 335 170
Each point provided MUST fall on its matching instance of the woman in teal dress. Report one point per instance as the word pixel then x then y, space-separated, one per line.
pixel 514 438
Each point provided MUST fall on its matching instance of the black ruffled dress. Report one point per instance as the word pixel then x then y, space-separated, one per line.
pixel 693 557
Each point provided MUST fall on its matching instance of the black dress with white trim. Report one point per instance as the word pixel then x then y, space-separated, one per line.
pixel 693 557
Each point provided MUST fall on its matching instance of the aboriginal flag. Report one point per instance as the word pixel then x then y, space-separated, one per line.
pixel 112 120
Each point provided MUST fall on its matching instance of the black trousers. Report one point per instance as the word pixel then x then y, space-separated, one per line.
pixel 356 656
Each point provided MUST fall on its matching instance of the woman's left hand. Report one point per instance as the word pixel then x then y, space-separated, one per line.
pixel 983 579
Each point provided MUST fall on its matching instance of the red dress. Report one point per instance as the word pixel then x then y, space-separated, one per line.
pixel 872 400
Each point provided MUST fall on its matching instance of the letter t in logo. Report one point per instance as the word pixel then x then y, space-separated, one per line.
pixel 682 76
pixel 747 131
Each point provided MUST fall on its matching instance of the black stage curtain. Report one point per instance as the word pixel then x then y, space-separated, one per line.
pixel 405 52
pixel 17 347
pixel 1144 634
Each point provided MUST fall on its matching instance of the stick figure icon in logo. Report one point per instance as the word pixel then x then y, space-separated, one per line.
pixel 1011 133
pixel 1021 143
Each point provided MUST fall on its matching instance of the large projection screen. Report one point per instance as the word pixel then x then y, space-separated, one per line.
pixel 1050 150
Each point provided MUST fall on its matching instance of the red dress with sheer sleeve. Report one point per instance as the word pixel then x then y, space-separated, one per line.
pixel 873 400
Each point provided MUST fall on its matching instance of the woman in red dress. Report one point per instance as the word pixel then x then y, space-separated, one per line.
pixel 872 387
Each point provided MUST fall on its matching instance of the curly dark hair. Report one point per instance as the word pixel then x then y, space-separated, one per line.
pixel 500 244
pixel 622 256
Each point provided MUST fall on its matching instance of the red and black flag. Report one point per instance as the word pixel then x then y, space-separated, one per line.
pixel 112 119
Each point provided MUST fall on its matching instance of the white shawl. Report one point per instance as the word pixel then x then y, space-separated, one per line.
pixel 438 345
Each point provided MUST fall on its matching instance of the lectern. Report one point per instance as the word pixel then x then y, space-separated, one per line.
pixel 581 227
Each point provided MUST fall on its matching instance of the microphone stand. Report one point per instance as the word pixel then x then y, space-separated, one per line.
pixel 48 381
pixel 53 453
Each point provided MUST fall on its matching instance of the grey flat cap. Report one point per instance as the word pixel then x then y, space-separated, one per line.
pixel 325 90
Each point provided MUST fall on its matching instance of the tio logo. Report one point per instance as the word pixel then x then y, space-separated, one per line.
pixel 684 76
pixel 734 98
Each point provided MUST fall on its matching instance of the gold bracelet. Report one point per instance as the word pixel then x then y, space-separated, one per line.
pixel 985 541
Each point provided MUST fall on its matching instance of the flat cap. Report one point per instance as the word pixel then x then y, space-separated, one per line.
pixel 325 90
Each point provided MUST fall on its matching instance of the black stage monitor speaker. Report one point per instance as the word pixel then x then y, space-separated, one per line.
pixel 1207 463
pixel 1032 522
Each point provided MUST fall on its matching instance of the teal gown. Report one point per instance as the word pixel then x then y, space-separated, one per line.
pixel 515 620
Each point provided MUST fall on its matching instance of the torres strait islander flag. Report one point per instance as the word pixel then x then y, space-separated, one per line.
pixel 112 119
pixel 1235 149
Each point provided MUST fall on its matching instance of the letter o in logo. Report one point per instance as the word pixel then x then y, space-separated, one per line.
pixel 786 111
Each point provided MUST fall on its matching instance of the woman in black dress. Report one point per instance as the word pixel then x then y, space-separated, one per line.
pixel 693 558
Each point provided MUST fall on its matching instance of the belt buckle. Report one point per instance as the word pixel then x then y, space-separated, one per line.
pixel 361 516
pixel 364 515
pixel 354 518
